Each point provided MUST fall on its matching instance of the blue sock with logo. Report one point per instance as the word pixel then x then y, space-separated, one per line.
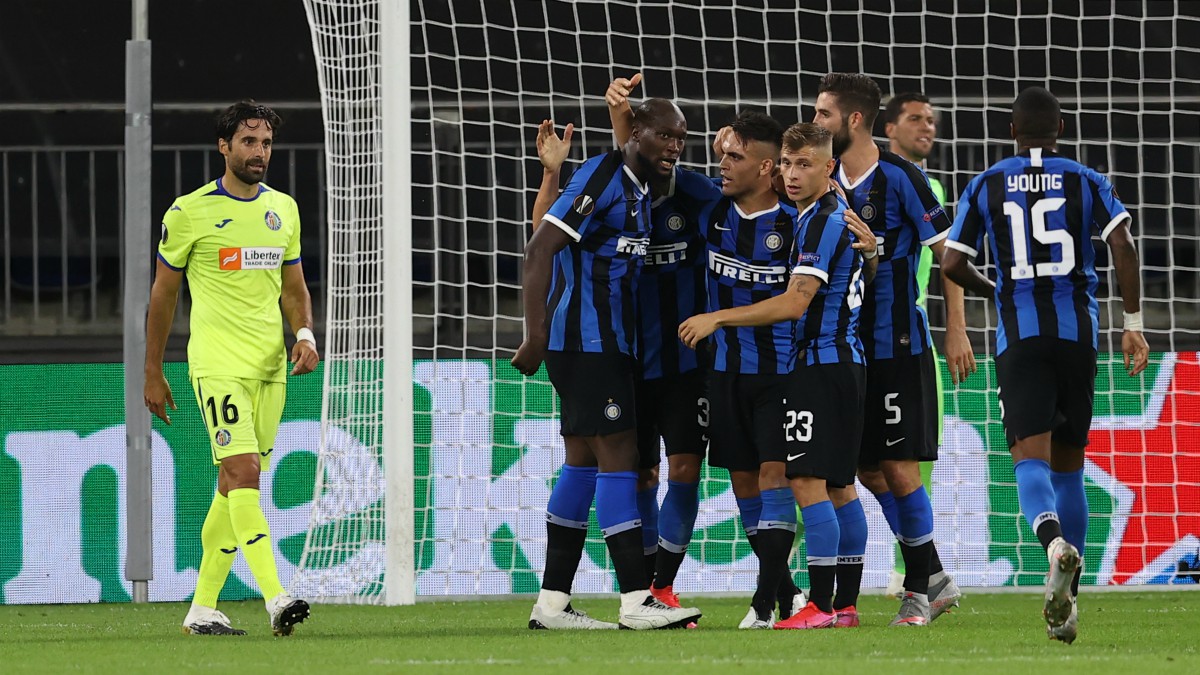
pixel 571 499
pixel 916 539
pixel 891 511
pixel 1036 495
pixel 617 514
pixel 1070 500
pixel 751 511
pixel 567 524
pixel 647 506
pixel 852 548
pixel 678 517
pixel 675 525
pixel 822 537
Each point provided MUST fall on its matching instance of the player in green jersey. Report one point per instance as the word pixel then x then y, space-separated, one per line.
pixel 238 242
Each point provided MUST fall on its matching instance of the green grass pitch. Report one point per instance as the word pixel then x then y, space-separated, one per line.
pixel 1152 632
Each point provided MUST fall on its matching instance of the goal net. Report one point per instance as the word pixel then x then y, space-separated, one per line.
pixel 486 445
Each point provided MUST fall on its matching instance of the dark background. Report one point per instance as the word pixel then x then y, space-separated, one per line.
pixel 485 72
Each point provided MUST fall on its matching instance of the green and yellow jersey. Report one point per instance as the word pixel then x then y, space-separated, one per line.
pixel 925 265
pixel 233 251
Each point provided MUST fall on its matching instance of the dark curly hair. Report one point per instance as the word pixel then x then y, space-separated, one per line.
pixel 232 117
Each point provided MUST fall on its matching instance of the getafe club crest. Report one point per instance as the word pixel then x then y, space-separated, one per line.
pixel 773 241
pixel 224 437
pixel 867 212
pixel 675 222
pixel 273 221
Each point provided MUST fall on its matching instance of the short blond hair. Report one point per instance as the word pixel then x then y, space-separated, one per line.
pixel 806 134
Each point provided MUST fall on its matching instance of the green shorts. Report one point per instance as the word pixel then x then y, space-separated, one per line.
pixel 242 416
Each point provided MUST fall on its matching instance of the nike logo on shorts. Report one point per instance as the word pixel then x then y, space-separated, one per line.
pixel 795 457
pixel 889 442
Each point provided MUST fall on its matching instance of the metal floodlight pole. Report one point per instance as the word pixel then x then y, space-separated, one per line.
pixel 139 514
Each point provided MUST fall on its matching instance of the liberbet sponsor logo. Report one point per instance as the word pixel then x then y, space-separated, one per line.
pixel 251 258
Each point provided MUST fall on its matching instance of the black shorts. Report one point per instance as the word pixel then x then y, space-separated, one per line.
pixel 675 410
pixel 900 417
pixel 596 392
pixel 1047 384
pixel 823 421
pixel 746 414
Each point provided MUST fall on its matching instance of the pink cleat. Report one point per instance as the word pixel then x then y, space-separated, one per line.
pixel 809 617
pixel 847 618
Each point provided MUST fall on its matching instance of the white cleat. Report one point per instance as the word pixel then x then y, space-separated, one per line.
pixel 286 612
pixel 542 618
pixel 943 595
pixel 1064 560
pixel 1069 630
pixel 752 622
pixel 914 611
pixel 208 621
pixel 651 614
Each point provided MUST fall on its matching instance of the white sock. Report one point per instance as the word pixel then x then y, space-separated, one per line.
pixel 633 599
pixel 555 601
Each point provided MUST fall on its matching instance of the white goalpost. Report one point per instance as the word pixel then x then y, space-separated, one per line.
pixel 437 458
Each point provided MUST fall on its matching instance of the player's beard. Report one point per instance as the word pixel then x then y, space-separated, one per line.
pixel 841 139
pixel 247 176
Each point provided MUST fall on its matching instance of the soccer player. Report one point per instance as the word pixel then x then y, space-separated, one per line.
pixel 749 234
pixel 595 236
pixel 1039 211
pixel 892 195
pixel 910 124
pixel 824 397
pixel 672 407
pixel 238 241
pixel 673 270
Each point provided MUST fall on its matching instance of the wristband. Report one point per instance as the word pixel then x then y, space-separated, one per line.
pixel 306 334
pixel 874 252
pixel 1133 321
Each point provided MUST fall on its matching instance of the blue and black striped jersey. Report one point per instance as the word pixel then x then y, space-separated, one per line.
pixel 828 331
pixel 894 199
pixel 606 211
pixel 671 288
pixel 747 258
pixel 1039 211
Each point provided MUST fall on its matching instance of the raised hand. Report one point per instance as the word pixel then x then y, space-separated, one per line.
pixel 619 90
pixel 551 149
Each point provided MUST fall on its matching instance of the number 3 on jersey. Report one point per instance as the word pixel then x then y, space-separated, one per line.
pixel 1021 268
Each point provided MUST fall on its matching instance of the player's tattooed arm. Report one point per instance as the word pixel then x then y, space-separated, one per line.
pixel 1125 260
pixel 620 113
pixel 552 151
pixel 787 306
pixel 864 241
